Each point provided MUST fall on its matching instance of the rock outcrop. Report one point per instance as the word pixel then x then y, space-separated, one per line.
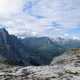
pixel 64 67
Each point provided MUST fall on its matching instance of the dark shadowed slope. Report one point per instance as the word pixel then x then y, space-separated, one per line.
pixel 33 50
pixel 30 51
pixel 12 49
pixel 42 49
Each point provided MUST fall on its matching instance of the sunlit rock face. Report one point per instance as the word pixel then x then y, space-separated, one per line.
pixel 63 67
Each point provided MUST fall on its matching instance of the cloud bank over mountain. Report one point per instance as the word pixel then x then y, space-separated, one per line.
pixel 41 17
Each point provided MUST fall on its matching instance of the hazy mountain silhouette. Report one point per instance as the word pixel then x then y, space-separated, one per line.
pixel 31 50
pixel 28 51
pixel 42 49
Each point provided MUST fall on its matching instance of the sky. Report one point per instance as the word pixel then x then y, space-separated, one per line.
pixel 53 18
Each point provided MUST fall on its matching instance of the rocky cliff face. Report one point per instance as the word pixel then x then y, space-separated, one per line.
pixel 30 51
pixel 64 67
pixel 11 49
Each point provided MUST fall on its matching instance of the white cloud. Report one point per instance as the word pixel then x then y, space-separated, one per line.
pixel 64 13
pixel 10 6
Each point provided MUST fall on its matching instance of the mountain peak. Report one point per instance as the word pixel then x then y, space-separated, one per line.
pixel 3 30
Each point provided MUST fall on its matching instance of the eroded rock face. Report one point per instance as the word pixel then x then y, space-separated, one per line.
pixel 65 67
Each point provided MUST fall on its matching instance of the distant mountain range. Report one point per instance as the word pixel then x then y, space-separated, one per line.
pixel 32 50
pixel 68 43
pixel 43 48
